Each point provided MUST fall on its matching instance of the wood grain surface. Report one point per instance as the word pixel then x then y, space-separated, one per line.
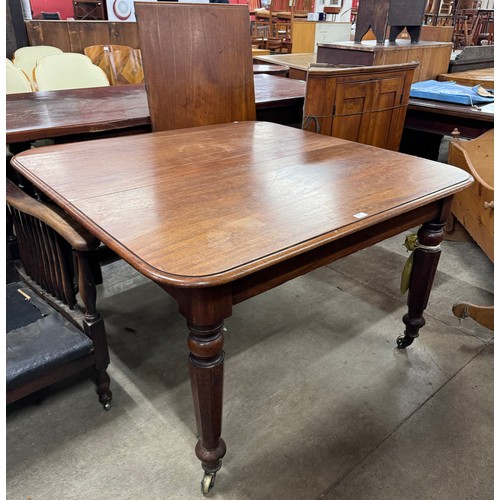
pixel 474 206
pixel 205 206
pixel 197 63
pixel 41 115
pixel 369 103
pixel 484 77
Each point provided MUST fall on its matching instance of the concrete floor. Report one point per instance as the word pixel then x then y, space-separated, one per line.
pixel 318 401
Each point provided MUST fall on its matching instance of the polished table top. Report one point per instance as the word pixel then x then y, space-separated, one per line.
pixel 483 76
pixel 204 206
pixel 40 115
pixel 450 109
pixel 442 118
pixel 298 61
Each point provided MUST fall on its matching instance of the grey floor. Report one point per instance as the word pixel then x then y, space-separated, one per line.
pixel 318 401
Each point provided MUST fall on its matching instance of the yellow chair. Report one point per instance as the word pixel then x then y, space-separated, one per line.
pixel 26 57
pixel 68 71
pixel 16 80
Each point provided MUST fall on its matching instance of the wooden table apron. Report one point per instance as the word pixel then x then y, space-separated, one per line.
pixel 442 118
pixel 216 215
pixel 123 109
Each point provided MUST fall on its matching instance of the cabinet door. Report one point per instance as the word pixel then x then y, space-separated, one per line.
pixel 370 111
pixel 353 100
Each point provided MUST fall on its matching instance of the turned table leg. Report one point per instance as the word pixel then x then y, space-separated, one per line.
pixel 206 367
pixel 425 261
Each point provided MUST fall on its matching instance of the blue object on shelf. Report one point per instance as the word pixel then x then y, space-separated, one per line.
pixel 448 92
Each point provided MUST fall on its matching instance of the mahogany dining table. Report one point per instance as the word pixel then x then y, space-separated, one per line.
pixel 123 109
pixel 218 214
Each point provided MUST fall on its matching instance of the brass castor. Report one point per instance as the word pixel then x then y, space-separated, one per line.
pixel 207 482
pixel 107 405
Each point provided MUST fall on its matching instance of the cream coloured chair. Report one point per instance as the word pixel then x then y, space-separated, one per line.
pixel 16 80
pixel 68 71
pixel 26 57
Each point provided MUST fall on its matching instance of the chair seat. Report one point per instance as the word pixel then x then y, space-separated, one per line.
pixel 40 346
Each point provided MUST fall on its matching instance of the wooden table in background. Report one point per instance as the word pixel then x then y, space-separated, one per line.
pixel 270 69
pixel 292 201
pixel 442 117
pixel 298 63
pixel 427 121
pixel 87 113
pixel 260 52
pixel 484 77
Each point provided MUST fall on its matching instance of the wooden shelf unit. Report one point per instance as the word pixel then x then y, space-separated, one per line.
pixel 90 10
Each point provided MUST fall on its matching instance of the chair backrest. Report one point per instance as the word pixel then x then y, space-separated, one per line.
pixel 16 80
pixel 301 7
pixel 51 16
pixel 46 238
pixel 121 63
pixel 364 104
pixel 68 71
pixel 482 27
pixel 253 5
pixel 98 53
pixel 125 67
pixel 197 62
pixel 280 6
pixel 27 57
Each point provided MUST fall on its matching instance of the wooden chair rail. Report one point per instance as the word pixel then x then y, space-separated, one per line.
pixel 55 258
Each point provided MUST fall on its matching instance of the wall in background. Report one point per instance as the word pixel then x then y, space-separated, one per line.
pixel 64 7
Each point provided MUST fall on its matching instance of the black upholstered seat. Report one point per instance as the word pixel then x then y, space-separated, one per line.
pixel 47 342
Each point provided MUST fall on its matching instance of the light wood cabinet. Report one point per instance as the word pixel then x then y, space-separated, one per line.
pixel 307 34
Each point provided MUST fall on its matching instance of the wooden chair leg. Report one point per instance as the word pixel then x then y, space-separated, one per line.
pixel 102 388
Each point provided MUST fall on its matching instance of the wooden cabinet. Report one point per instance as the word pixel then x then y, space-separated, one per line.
pixel 433 57
pixel 90 9
pixel 365 104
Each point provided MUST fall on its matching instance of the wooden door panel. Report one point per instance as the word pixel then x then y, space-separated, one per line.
pixel 383 125
pixel 352 100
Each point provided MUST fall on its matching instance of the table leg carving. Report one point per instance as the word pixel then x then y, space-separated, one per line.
pixel 206 369
pixel 425 262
